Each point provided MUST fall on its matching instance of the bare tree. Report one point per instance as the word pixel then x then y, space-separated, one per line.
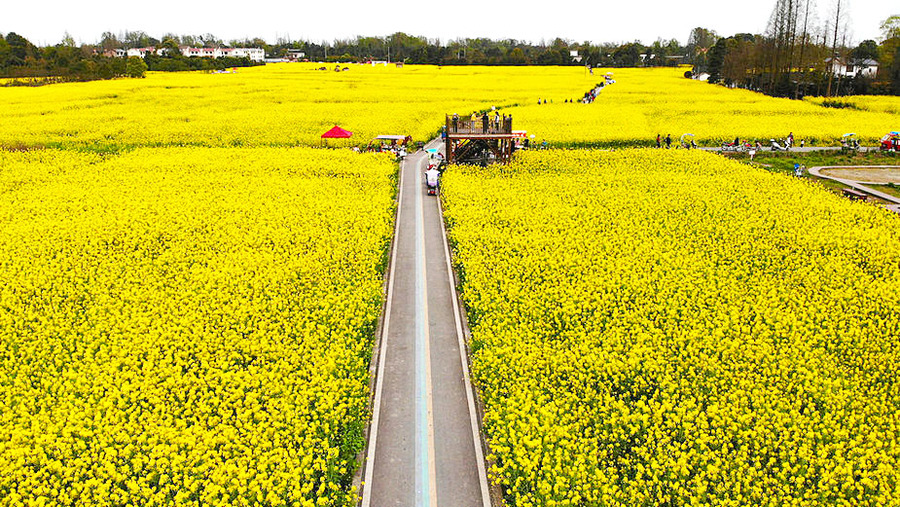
pixel 782 40
pixel 839 23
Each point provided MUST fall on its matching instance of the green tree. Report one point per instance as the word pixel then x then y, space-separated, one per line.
pixel 135 67
pixel 895 73
pixel 517 57
pixel 716 58
pixel 890 46
pixel 109 42
pixel 628 55
pixel 700 42
pixel 5 52
pixel 169 48
pixel 867 49
pixel 20 49
pixel 890 28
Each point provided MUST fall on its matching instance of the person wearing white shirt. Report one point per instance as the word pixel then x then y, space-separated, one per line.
pixel 432 178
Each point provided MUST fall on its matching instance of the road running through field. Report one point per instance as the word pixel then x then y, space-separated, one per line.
pixel 424 446
pixel 768 149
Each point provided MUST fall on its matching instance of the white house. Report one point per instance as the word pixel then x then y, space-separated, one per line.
pixel 201 52
pixel 853 68
pixel 140 52
pixel 254 54
pixel 294 55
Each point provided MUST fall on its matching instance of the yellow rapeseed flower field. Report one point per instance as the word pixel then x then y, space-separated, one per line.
pixel 293 104
pixel 883 103
pixel 276 105
pixel 188 326
pixel 188 292
pixel 646 102
pixel 655 327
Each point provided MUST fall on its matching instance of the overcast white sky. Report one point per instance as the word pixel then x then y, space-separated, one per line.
pixel 45 21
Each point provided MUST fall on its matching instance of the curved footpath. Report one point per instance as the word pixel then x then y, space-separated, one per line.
pixel 860 185
pixel 424 446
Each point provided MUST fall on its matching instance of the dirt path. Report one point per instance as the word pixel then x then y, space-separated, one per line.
pixel 870 175
pixel 822 172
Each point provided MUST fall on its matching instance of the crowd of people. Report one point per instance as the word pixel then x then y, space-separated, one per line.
pixel 480 123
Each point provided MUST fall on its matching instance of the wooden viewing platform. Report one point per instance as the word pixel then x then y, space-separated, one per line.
pixel 487 139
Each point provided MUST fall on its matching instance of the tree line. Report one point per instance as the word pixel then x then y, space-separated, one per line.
pixel 797 56
pixel 22 62
pixel 792 58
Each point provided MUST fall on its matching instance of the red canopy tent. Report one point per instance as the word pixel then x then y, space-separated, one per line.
pixel 337 133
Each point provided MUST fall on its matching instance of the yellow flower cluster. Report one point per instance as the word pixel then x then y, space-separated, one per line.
pixel 655 327
pixel 188 326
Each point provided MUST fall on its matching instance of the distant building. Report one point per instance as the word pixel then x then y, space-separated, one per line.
pixel 140 52
pixel 254 54
pixel 113 53
pixel 852 68
pixel 295 55
pixel 201 52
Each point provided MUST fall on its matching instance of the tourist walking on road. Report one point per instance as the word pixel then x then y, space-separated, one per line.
pixel 432 178
pixel 668 141
pixel 484 123
pixel 790 140
pixel 658 138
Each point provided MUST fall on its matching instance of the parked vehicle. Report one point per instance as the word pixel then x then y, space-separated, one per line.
pixel 779 146
pixel 849 143
pixel 687 141
pixel 736 146
pixel 891 141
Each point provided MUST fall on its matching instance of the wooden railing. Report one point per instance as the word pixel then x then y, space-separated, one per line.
pixel 489 124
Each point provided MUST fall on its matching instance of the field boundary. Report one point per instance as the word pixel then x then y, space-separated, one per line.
pixel 376 364
pixel 495 493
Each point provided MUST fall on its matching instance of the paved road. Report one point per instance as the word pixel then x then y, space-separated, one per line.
pixel 424 445
pixel 766 149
